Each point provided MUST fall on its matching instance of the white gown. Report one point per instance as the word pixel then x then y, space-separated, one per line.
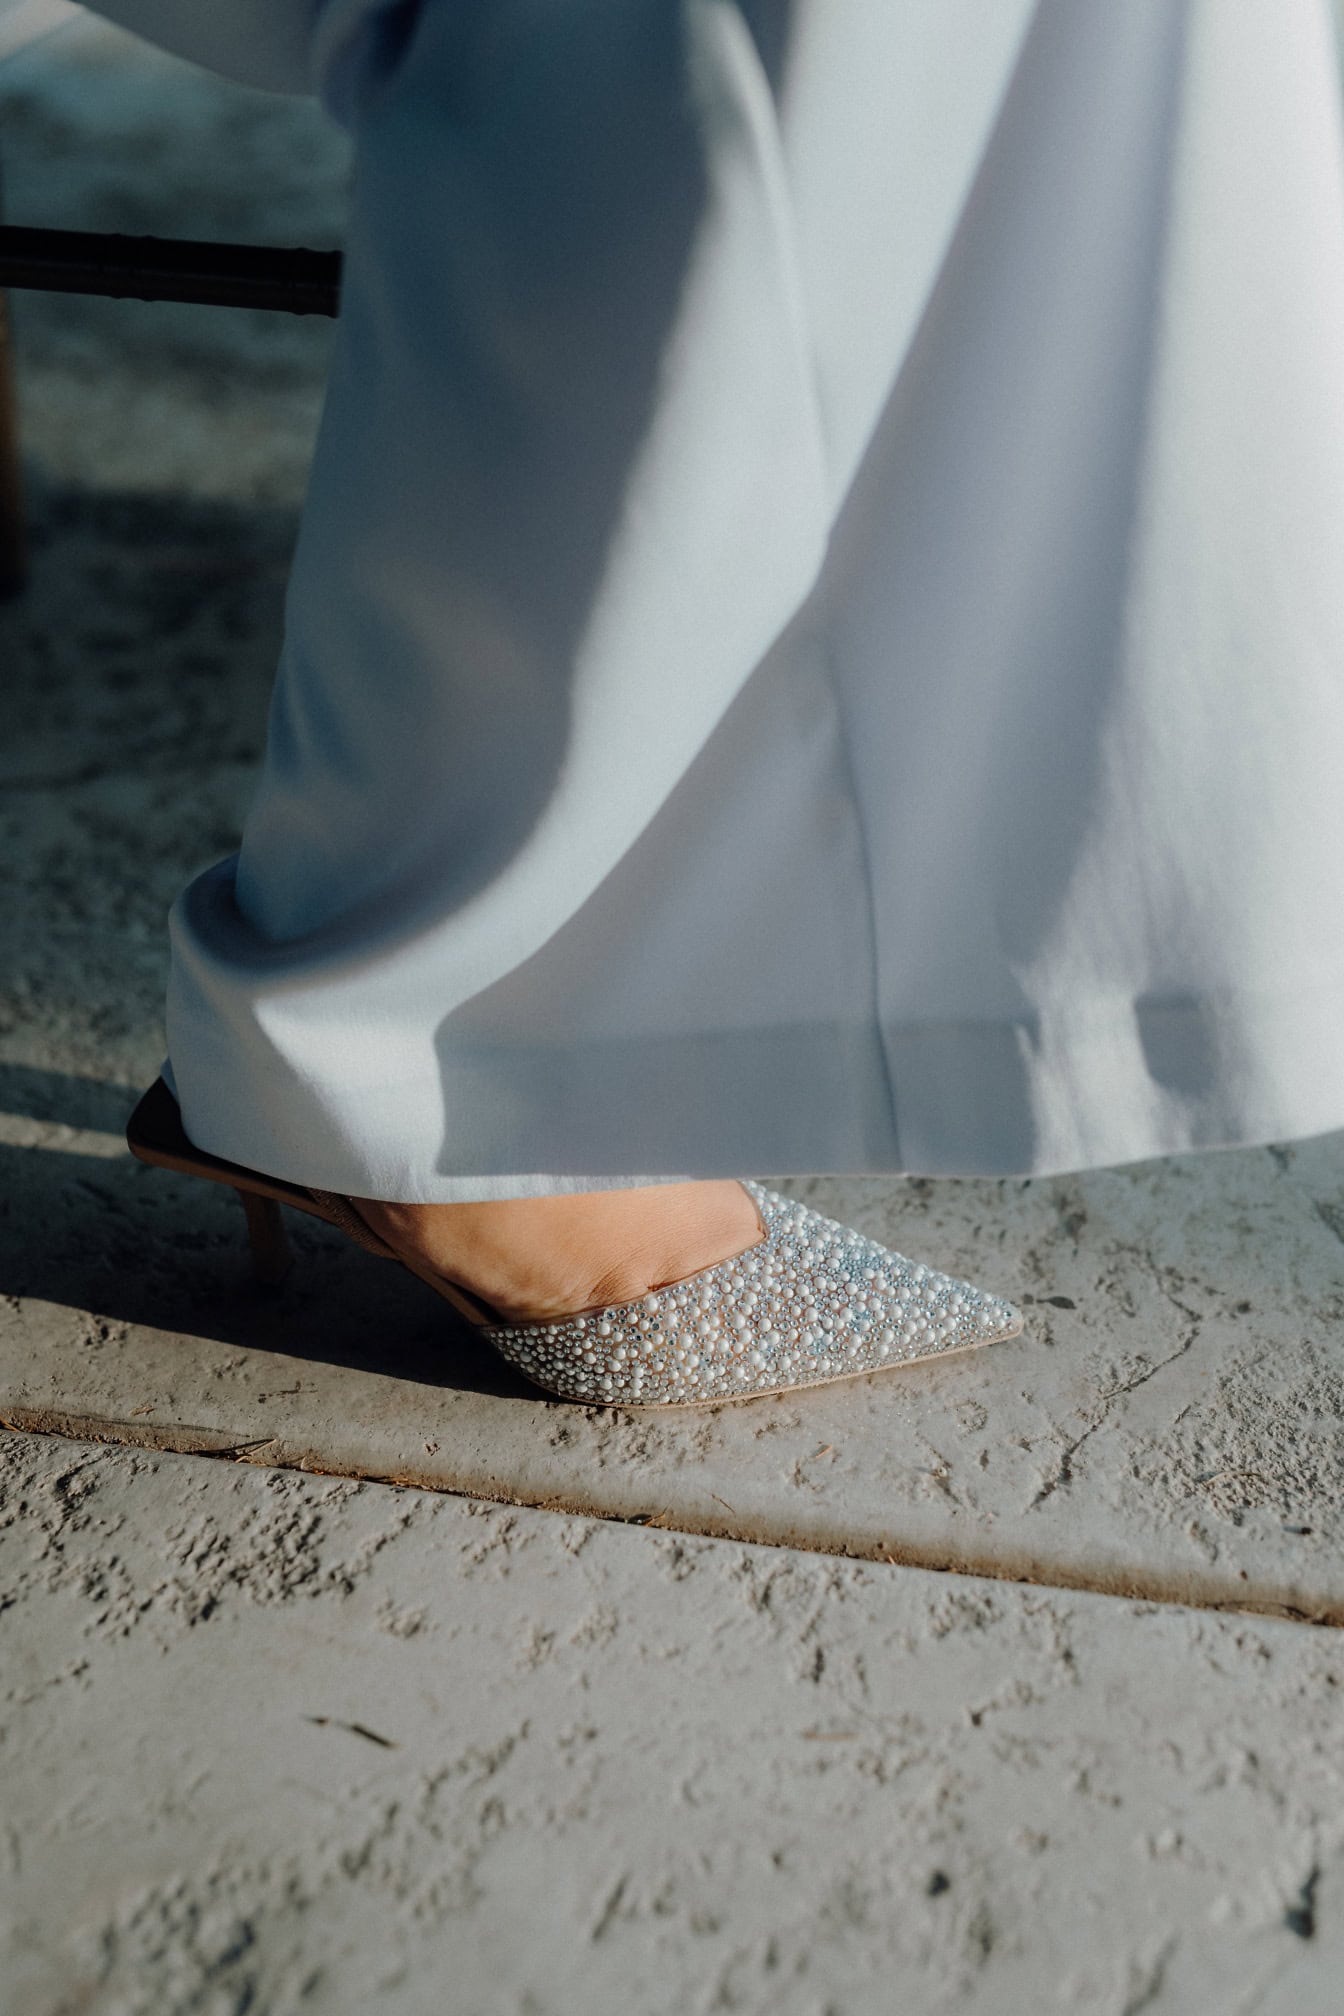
pixel 817 635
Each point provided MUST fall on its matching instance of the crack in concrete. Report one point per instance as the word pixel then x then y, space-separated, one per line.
pixel 1185 1587
pixel 1152 1976
pixel 1064 1472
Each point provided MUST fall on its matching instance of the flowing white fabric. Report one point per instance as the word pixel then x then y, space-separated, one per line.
pixel 817 635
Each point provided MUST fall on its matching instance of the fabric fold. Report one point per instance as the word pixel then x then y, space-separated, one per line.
pixel 814 643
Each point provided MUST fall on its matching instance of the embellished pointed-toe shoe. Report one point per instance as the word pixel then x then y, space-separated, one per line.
pixel 812 1301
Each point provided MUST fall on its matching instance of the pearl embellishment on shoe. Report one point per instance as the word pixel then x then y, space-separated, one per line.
pixel 813 1301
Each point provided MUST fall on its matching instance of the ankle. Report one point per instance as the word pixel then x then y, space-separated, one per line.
pixel 538 1258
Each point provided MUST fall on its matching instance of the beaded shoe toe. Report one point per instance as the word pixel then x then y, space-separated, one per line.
pixel 812 1302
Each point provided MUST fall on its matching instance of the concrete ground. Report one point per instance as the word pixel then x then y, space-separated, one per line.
pixel 274 1743
pixel 1004 1684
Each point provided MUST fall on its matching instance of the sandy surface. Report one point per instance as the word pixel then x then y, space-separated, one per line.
pixel 276 1743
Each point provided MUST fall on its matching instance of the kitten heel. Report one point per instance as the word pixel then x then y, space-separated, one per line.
pixel 272 1254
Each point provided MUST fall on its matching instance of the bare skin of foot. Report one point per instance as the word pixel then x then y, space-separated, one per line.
pixel 535 1258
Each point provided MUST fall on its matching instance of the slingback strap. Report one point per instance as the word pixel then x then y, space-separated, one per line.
pixel 342 1212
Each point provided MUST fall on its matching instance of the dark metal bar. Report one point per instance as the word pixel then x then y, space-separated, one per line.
pixel 299 282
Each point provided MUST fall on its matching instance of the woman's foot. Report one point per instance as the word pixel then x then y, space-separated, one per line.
pixel 534 1258
pixel 811 1301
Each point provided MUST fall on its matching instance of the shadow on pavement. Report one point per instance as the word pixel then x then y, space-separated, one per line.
pixel 104 1234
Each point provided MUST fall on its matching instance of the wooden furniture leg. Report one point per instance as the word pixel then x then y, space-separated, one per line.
pixel 13 546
